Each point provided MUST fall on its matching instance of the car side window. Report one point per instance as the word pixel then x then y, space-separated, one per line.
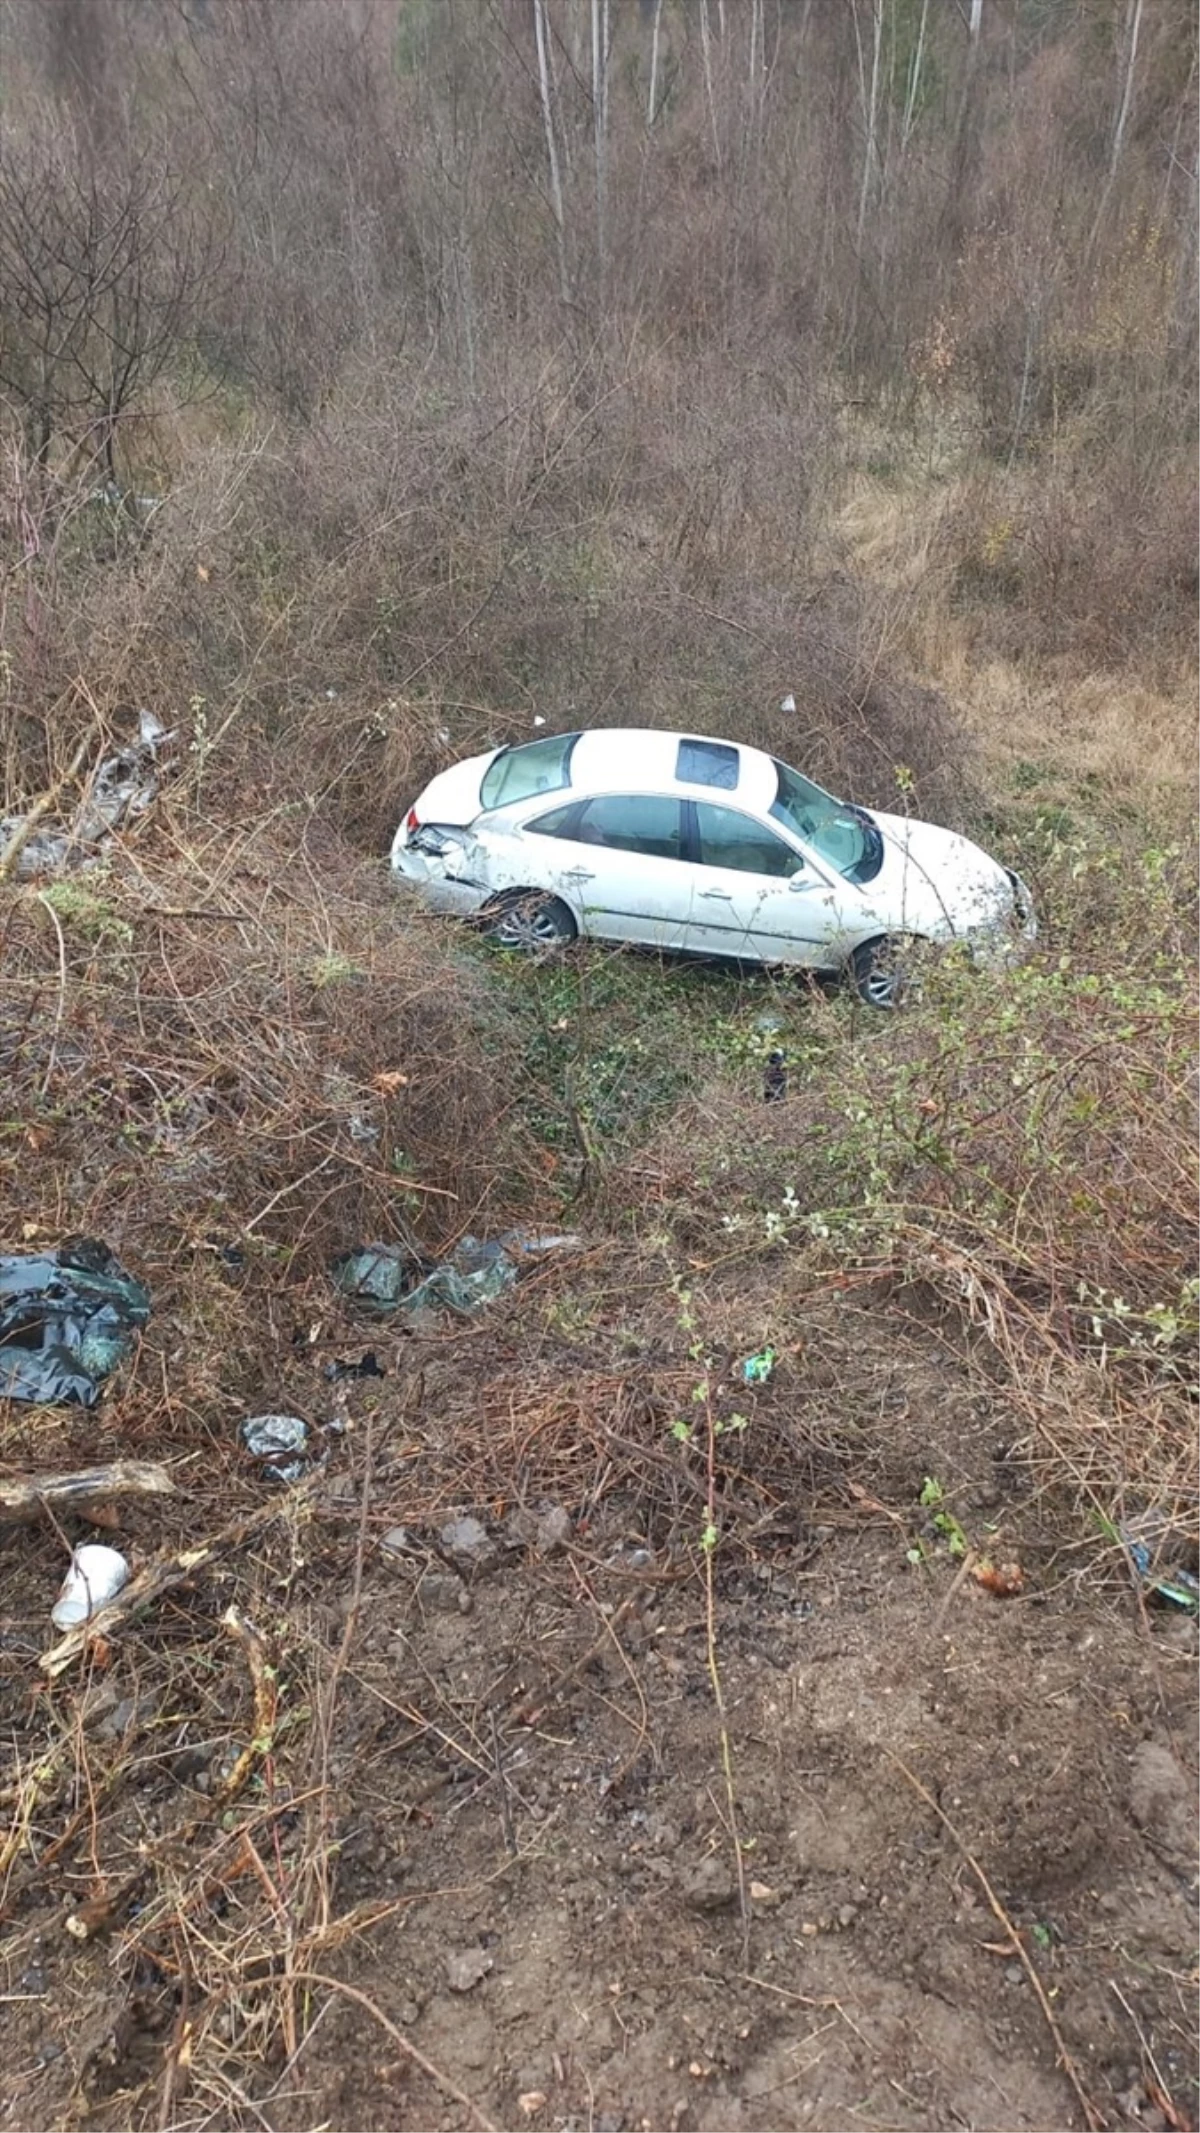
pixel 731 839
pixel 560 822
pixel 633 822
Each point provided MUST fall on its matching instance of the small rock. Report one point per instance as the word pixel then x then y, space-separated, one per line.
pixel 116 1723
pixel 96 1703
pixel 709 1885
pixel 409 2013
pixel 847 1915
pixel 396 1541
pixel 469 1544
pixel 768 1898
pixel 466 1970
pixel 810 1929
pixel 554 1530
pixel 50 2051
pixel 533 2101
pixel 1014 1974
pixel 441 1592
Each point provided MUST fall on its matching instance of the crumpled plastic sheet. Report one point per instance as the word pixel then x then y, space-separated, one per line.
pixel 386 1277
pixel 121 789
pixel 67 1318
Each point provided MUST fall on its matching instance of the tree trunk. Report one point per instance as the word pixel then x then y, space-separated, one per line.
pixel 541 33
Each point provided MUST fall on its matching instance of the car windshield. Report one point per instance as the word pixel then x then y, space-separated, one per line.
pixel 521 773
pixel 844 836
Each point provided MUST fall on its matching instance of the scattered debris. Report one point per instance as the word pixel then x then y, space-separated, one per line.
pixel 95 1577
pixel 1147 1542
pixel 121 788
pixel 467 1969
pixel 756 1369
pixel 389 1277
pixel 366 1367
pixel 281 1441
pixel 1004 1580
pixel 775 1080
pixel 67 1318
pixel 26 1497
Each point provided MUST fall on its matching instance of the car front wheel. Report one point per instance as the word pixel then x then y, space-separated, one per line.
pixel 882 971
pixel 532 920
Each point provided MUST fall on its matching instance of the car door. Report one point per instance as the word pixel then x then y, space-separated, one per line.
pixel 756 895
pixel 619 861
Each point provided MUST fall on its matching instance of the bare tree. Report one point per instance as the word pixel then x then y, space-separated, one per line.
pixel 103 265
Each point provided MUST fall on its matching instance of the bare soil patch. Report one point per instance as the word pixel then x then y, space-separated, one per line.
pixel 481 1868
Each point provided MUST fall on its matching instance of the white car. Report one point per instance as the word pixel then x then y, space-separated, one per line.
pixel 699 846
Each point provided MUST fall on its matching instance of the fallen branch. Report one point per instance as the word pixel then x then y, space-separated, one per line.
pixel 25 1497
pixel 262 1674
pixel 1091 2115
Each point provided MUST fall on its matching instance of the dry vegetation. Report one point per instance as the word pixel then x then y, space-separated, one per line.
pixel 374 378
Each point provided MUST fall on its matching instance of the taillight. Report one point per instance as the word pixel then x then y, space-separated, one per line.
pixel 412 821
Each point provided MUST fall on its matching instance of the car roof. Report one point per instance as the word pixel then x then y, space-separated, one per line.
pixel 638 758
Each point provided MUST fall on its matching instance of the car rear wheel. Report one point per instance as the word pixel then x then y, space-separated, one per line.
pixel 532 920
pixel 882 971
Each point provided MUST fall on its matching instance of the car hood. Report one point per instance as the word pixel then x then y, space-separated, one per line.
pixel 453 796
pixel 935 882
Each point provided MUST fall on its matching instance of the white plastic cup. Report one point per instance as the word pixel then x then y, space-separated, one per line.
pixel 95 1577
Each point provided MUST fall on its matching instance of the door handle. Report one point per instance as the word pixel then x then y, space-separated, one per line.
pixel 715 896
pixel 579 874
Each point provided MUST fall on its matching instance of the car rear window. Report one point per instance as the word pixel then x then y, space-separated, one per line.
pixel 521 773
pixel 707 763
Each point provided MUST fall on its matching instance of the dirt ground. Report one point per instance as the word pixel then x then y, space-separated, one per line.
pixel 482 1869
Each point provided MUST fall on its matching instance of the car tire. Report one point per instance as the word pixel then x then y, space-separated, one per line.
pixel 531 920
pixel 881 971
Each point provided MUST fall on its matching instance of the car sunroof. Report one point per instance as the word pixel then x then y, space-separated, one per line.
pixel 707 763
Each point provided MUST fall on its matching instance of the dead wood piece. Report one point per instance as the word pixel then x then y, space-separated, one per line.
pixel 25 1497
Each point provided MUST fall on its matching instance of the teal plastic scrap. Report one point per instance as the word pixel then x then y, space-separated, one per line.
pixel 757 1368
pixel 67 1318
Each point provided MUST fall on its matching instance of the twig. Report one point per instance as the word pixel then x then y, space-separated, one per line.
pixel 510 1842
pixel 60 1010
pixel 709 1550
pixel 1092 2116
pixel 351 1992
pixel 1163 2099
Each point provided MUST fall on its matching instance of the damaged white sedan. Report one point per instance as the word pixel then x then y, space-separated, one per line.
pixel 702 847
